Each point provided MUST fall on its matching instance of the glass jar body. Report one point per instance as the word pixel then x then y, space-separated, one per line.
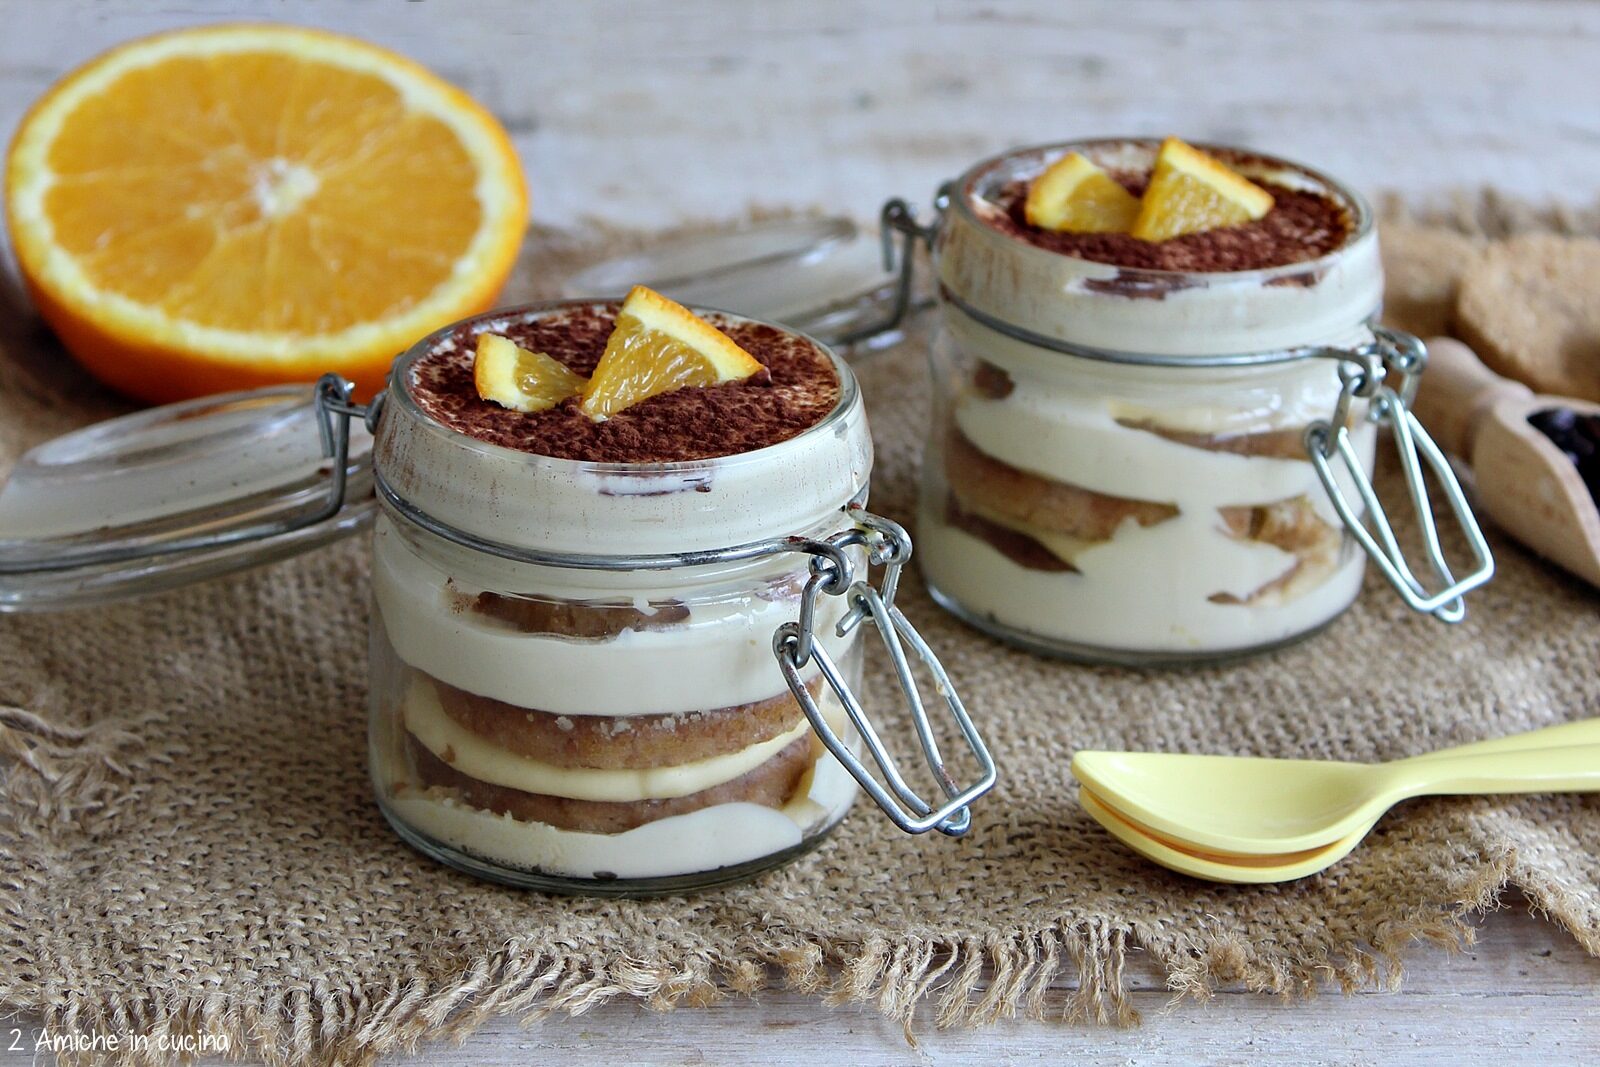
pixel 1117 468
pixel 1128 513
pixel 595 731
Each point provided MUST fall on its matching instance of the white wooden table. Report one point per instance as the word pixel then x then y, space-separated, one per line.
pixel 650 114
pixel 1525 994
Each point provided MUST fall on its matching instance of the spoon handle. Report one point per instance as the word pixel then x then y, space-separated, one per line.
pixel 1568 769
pixel 1581 732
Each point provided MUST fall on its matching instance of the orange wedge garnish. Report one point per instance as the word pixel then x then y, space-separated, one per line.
pixel 1076 196
pixel 232 206
pixel 1190 192
pixel 516 378
pixel 657 346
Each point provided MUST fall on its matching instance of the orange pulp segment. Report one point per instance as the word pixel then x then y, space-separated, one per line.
pixel 237 205
pixel 1075 196
pixel 1190 192
pixel 657 346
pixel 516 378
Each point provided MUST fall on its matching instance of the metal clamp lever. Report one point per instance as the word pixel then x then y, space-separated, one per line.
pixel 794 645
pixel 1362 374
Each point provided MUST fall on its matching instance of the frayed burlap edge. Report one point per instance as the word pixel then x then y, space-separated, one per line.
pixel 70 774
pixel 1068 971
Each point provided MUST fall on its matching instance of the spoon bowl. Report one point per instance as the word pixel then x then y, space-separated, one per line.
pixel 1235 804
pixel 1216 867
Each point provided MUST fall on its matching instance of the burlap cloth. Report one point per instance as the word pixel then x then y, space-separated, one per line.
pixel 190 844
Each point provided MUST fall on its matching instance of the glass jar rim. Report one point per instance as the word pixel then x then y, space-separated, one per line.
pixel 1362 222
pixel 399 392
pixel 572 512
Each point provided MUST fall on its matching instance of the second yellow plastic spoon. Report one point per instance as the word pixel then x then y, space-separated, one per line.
pixel 1212 866
pixel 1270 807
pixel 1224 867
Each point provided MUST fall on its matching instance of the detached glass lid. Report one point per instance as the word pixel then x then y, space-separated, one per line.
pixel 163 497
pixel 172 495
pixel 818 276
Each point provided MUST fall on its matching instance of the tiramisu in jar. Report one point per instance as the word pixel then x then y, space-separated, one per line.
pixel 621 573
pixel 574 620
pixel 1154 450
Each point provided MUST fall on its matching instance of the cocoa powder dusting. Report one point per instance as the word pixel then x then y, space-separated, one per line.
pixel 1301 226
pixel 795 392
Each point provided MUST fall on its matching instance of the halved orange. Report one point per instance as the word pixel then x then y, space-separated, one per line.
pixel 515 378
pixel 1075 196
pixel 656 346
pixel 1190 192
pixel 232 206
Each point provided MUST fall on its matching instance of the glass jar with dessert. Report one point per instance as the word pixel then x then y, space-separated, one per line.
pixel 1158 390
pixel 621 573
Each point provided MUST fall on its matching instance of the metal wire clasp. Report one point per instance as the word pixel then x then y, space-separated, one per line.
pixel 334 410
pixel 897 222
pixel 1363 372
pixel 794 644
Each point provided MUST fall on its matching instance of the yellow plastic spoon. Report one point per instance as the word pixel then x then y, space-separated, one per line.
pixel 1225 867
pixel 1236 869
pixel 1266 807
pixel 1214 867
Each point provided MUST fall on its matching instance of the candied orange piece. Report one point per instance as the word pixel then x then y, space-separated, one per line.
pixel 516 378
pixel 1190 192
pixel 657 346
pixel 1076 196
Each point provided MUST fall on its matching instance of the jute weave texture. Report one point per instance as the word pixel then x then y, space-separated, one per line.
pixel 188 842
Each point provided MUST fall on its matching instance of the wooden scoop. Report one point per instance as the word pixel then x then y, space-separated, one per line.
pixel 1524 482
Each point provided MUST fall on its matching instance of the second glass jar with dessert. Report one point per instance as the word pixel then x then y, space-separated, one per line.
pixel 1123 461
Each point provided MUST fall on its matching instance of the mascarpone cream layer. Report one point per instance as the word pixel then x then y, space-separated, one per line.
pixel 1079 441
pixel 1212 400
pixel 718 658
pixel 478 758
pixel 720 836
pixel 1146 590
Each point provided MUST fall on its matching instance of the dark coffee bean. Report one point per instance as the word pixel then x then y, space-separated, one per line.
pixel 1578 438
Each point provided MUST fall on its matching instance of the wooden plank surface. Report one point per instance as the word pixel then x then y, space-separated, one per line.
pixel 1524 994
pixel 649 114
